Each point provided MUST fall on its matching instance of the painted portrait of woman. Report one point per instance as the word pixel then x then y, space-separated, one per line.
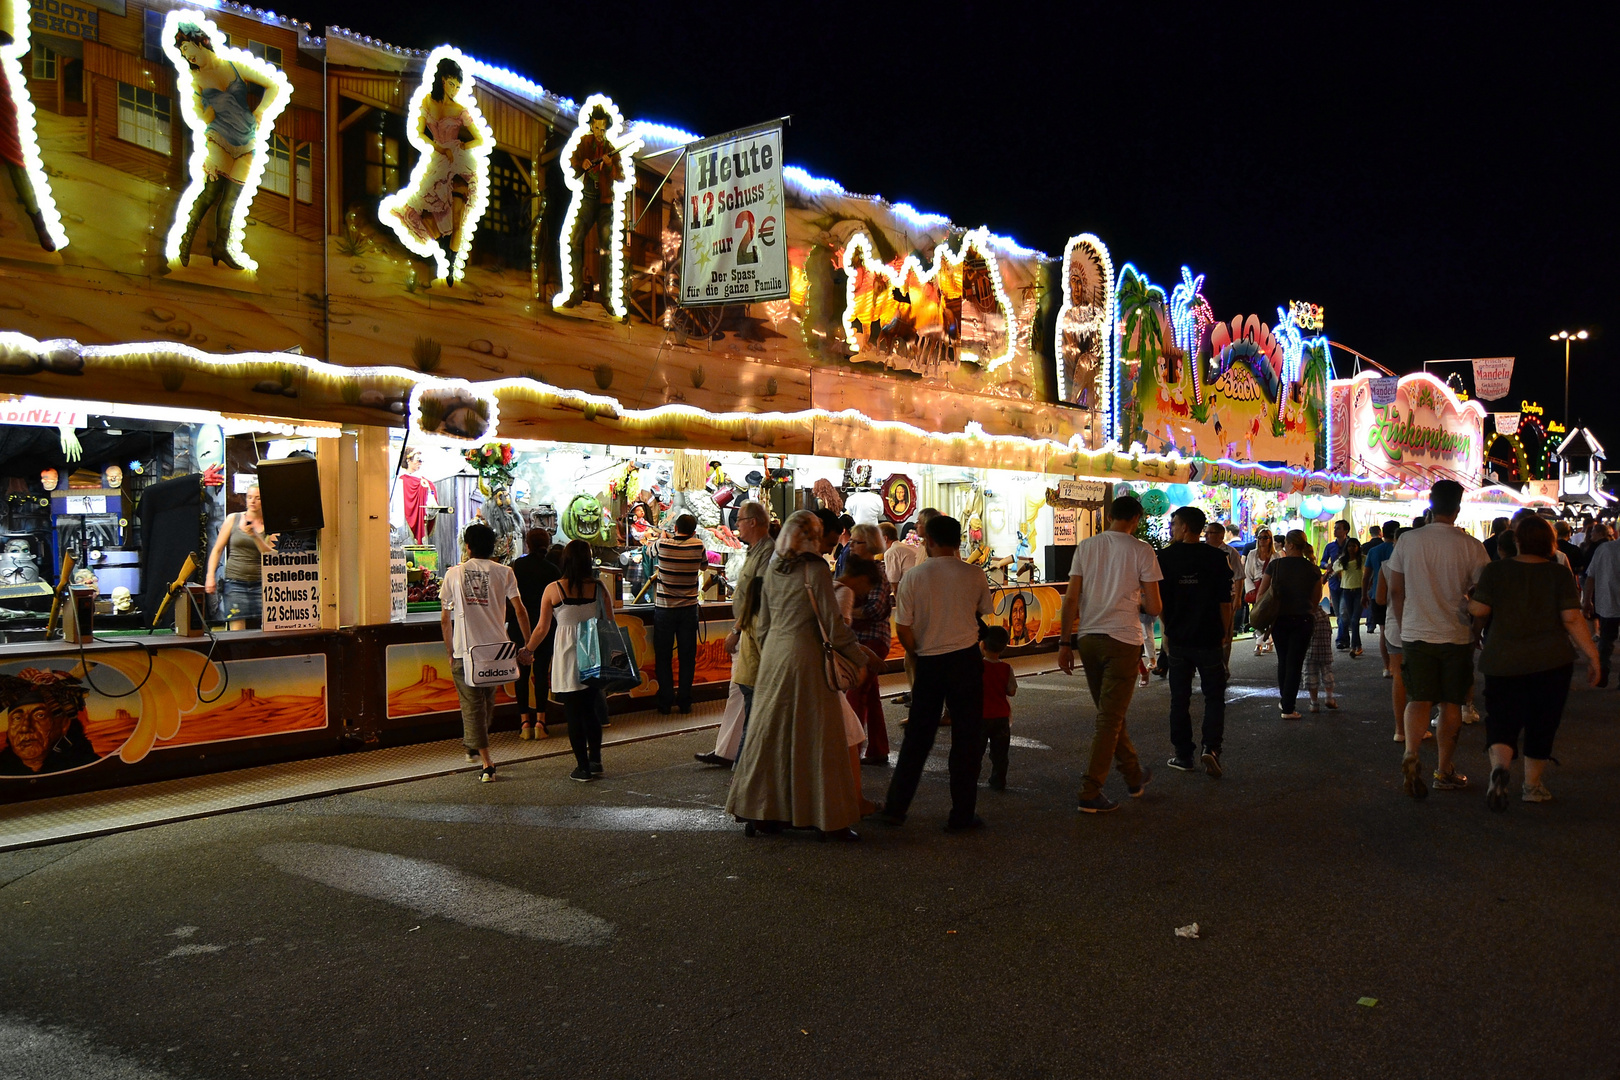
pixel 228 132
pixel 436 213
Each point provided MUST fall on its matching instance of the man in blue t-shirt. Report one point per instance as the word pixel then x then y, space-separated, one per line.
pixel 1375 557
pixel 1330 555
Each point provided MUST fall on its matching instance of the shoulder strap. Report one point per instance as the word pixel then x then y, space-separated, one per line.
pixel 815 608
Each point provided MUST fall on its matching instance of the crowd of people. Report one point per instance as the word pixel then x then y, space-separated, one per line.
pixel 812 611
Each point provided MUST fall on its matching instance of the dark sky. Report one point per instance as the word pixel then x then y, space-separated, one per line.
pixel 1435 178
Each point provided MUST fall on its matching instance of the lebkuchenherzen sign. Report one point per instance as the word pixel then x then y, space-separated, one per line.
pixel 734 244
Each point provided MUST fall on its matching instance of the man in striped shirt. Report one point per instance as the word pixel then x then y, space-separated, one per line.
pixel 681 558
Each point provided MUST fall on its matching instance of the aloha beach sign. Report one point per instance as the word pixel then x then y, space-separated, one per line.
pixel 1425 434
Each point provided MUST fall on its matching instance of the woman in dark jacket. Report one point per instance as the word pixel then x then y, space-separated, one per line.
pixel 1299 591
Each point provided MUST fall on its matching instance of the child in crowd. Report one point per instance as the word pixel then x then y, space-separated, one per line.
pixel 1319 660
pixel 999 685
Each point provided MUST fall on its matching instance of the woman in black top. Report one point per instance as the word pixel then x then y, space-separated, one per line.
pixel 1534 615
pixel 534 572
pixel 1299 590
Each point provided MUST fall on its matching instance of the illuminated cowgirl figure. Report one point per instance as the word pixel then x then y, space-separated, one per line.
pixel 436 214
pixel 228 152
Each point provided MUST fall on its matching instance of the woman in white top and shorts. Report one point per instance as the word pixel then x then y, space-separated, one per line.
pixel 570 602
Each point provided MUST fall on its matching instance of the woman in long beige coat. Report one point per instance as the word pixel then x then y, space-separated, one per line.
pixel 794 768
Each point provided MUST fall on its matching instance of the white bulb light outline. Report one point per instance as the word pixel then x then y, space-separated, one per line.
pixel 415 430
pixel 621 188
pixel 15 344
pixel 279 92
pixel 479 200
pixel 978 239
pixel 1155 295
pixel 1102 324
pixel 27 134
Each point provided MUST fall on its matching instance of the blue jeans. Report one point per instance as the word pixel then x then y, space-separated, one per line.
pixel 1209 662
pixel 675 628
pixel 1350 617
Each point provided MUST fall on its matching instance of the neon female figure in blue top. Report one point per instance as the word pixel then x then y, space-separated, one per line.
pixel 221 99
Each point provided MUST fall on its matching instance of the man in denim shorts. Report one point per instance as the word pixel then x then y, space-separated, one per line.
pixel 1431 572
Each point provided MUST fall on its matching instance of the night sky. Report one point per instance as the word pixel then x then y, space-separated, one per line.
pixel 1434 180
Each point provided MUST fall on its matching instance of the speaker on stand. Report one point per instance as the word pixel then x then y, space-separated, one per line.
pixel 290 495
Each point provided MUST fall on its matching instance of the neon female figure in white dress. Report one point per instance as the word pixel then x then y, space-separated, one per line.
pixel 447 195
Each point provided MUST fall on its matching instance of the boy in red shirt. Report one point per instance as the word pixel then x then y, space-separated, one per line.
pixel 999 685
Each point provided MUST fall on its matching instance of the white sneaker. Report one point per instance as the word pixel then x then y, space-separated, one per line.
pixel 1536 793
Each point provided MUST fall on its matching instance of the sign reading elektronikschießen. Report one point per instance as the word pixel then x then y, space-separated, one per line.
pixel 734 248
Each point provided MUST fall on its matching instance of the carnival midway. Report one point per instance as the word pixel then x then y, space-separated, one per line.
pixel 415 293
pixel 456 529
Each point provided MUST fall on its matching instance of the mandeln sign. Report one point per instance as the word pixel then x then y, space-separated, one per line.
pixel 1425 434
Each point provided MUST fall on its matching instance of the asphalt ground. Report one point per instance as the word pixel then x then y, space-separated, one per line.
pixel 626 928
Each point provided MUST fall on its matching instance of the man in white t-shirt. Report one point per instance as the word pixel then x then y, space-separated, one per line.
pixel 899 557
pixel 866 507
pixel 936 616
pixel 1431 572
pixel 1113 581
pixel 474 596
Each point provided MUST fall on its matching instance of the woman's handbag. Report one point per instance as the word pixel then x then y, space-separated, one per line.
pixel 1264 612
pixel 604 656
pixel 1254 594
pixel 841 673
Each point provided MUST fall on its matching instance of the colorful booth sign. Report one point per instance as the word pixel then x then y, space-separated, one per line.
pixel 1202 387
pixel 1426 434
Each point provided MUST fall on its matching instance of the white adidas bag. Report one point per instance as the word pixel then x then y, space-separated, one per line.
pixel 492 665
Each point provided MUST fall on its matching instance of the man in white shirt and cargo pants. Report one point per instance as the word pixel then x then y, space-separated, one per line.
pixel 936 615
pixel 475 595
pixel 1113 582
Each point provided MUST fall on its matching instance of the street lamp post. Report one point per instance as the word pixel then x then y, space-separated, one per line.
pixel 1567 337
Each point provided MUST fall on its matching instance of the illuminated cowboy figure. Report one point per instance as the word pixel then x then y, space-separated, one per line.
pixel 597 164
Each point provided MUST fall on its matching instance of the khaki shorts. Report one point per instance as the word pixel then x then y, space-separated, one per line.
pixel 1437 673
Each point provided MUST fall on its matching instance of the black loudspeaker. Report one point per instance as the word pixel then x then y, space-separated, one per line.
pixel 290 494
pixel 1059 560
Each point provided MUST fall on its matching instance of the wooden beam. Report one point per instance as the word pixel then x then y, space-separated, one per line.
pixel 334 163
pixel 355 117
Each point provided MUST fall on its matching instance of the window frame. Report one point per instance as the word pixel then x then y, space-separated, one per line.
pixel 161 118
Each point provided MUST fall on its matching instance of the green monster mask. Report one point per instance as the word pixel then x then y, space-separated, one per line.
pixel 584 520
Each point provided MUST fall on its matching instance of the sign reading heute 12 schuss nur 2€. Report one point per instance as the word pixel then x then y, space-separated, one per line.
pixel 734 248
